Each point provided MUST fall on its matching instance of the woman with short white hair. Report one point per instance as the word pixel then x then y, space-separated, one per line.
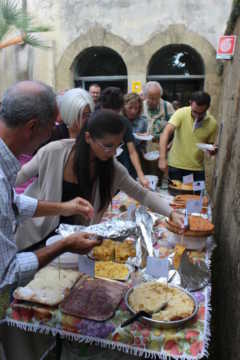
pixel 75 106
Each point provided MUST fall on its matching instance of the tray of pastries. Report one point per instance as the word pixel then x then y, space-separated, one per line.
pixel 94 299
pixel 114 251
pixel 177 187
pixel 180 305
pixel 179 201
pixel 198 226
pixel 48 287
pixel 112 270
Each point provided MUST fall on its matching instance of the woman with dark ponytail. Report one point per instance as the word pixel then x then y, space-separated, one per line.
pixel 84 167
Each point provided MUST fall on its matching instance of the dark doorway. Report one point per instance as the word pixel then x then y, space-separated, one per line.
pixel 180 70
pixel 100 65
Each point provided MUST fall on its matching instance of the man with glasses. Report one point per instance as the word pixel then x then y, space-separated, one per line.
pixel 190 125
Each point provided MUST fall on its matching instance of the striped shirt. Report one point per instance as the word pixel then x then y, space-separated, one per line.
pixel 15 269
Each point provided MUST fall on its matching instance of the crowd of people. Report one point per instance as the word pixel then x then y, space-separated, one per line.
pixel 73 138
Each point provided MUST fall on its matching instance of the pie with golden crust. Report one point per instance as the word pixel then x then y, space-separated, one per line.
pixel 150 296
pixel 198 223
pixel 198 226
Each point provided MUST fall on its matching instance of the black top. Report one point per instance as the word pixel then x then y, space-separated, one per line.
pixel 128 136
pixel 69 192
pixel 60 132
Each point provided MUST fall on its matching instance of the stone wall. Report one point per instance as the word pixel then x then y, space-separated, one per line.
pixel 226 292
pixel 142 26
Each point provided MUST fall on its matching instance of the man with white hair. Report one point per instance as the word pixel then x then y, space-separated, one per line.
pixel 157 110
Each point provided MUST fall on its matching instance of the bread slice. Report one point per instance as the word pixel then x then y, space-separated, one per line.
pixel 49 286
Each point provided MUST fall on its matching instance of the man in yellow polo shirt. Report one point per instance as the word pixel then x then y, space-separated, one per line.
pixel 191 125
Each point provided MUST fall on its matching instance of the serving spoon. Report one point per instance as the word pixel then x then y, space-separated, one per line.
pixel 142 313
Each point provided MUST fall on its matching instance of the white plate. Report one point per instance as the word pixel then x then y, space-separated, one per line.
pixel 151 156
pixel 143 137
pixel 190 242
pixel 67 260
pixel 205 147
pixel 118 151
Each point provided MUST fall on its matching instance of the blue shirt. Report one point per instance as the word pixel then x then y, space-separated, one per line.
pixel 15 268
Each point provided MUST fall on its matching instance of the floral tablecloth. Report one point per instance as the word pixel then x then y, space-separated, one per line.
pixel 188 342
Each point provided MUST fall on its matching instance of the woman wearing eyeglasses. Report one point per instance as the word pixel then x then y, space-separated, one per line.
pixel 86 168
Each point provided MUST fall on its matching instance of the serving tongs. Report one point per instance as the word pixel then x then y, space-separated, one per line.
pixel 142 313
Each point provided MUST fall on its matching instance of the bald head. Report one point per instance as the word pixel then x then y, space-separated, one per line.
pixel 153 86
pixel 153 92
pixel 28 100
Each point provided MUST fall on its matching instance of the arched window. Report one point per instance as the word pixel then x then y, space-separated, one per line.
pixel 100 65
pixel 180 70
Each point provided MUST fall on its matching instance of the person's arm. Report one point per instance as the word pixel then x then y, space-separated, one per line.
pixel 145 197
pixel 80 243
pixel 136 163
pixel 27 171
pixel 67 208
pixel 19 268
pixel 164 139
pixel 30 207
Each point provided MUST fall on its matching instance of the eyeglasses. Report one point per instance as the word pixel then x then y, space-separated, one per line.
pixel 107 148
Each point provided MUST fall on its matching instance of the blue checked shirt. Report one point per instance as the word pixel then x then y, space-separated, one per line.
pixel 15 269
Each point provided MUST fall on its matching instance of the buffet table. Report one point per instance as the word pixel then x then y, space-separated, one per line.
pixel 188 342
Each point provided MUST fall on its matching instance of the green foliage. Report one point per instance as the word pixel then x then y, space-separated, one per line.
pixel 235 13
pixel 11 16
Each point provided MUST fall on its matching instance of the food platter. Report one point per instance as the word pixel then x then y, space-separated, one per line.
pixel 197 243
pixel 171 226
pixel 115 251
pixel 180 201
pixel 160 323
pixel 180 188
pixel 110 270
